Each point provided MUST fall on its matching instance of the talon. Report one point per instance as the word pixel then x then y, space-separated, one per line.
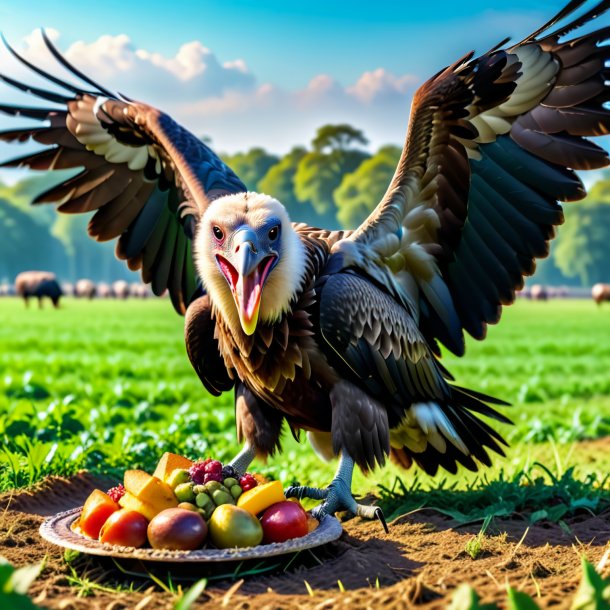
pixel 381 517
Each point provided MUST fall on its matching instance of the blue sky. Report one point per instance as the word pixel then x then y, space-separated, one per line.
pixel 267 73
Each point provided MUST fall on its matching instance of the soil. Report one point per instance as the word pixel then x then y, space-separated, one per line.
pixel 417 565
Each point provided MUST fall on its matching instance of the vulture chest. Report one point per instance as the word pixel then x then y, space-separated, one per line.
pixel 283 366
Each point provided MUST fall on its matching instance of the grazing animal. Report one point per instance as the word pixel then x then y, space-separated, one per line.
pixel 539 293
pixel 38 284
pixel 337 333
pixel 85 289
pixel 120 289
pixel 600 293
pixel 103 290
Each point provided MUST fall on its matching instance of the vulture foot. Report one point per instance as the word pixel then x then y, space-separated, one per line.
pixel 338 496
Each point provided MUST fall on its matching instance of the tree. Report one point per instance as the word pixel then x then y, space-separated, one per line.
pixel 337 137
pixel 360 191
pixel 583 247
pixel 251 166
pixel 88 258
pixel 279 183
pixel 26 244
pixel 320 172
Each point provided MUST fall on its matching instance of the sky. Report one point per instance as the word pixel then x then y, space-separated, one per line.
pixel 265 73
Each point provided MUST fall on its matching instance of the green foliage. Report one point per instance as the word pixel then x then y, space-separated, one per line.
pixel 474 547
pixel 14 585
pixel 192 595
pixel 466 598
pixel 279 182
pixel 583 248
pixel 251 166
pixel 340 137
pixel 535 493
pixel 26 242
pixel 592 594
pixel 361 190
pixel 320 172
pixel 106 384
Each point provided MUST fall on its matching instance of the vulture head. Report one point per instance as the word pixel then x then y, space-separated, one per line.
pixel 250 258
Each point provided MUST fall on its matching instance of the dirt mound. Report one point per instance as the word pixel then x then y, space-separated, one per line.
pixel 418 565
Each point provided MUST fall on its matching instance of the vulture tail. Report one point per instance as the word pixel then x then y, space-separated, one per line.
pixel 448 434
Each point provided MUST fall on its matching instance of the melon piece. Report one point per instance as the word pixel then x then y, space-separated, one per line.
pixel 130 502
pixel 150 490
pixel 259 498
pixel 170 462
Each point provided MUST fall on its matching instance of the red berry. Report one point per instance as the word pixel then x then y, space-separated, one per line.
pixel 212 476
pixel 213 467
pixel 247 481
pixel 116 493
pixel 197 471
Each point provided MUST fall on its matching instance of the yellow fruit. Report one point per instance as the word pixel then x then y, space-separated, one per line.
pixel 130 502
pixel 312 523
pixel 259 498
pixel 151 491
pixel 169 462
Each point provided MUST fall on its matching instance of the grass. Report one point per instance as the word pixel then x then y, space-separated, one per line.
pixel 106 385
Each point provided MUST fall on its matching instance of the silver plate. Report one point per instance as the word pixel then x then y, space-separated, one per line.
pixel 58 530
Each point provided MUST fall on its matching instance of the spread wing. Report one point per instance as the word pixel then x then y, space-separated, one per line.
pixel 146 178
pixel 492 146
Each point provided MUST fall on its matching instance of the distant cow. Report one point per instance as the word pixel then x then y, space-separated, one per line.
pixel 139 290
pixel 120 289
pixel 84 289
pixel 600 292
pixel 103 290
pixel 38 284
pixel 539 293
pixel 7 290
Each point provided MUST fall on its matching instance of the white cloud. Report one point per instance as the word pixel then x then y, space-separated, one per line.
pixel 222 99
pixel 379 84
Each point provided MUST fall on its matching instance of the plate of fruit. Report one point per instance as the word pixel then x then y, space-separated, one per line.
pixel 189 511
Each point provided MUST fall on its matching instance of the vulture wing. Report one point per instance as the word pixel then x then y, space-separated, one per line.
pixel 492 145
pixel 145 178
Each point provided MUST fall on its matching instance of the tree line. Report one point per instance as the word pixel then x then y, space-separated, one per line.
pixel 333 183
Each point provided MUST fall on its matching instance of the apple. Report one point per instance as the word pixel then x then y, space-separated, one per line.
pixel 283 521
pixel 125 528
pixel 98 507
pixel 178 529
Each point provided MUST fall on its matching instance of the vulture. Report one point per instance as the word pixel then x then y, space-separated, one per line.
pixel 339 333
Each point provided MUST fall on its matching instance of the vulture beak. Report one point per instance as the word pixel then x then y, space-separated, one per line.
pixel 246 274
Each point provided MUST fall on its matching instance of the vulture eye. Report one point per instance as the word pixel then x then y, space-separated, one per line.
pixel 273 233
pixel 218 234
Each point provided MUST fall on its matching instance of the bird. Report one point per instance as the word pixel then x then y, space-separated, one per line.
pixel 338 334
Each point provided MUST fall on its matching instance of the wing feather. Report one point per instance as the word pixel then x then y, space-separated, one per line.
pixel 491 148
pixel 132 160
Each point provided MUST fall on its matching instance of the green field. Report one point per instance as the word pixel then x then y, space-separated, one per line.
pixel 106 386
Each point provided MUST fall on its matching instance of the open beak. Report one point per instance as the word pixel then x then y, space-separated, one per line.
pixel 246 274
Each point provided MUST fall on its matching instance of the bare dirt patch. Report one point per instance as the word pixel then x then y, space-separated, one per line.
pixel 417 565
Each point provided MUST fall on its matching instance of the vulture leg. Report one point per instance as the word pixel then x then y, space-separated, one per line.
pixel 338 495
pixel 243 459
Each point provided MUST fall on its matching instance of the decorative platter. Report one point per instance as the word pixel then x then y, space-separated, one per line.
pixel 59 530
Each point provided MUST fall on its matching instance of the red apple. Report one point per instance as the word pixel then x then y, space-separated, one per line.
pixel 125 528
pixel 283 521
pixel 98 507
